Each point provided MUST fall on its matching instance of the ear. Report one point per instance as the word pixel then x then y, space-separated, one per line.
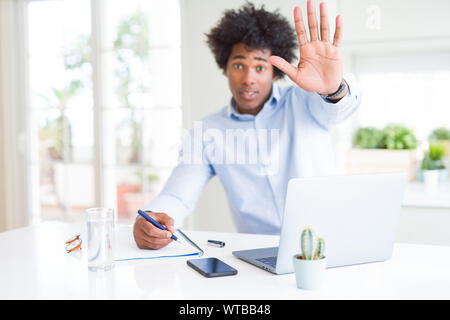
pixel 275 76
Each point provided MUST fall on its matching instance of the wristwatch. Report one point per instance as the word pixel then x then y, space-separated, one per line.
pixel 336 94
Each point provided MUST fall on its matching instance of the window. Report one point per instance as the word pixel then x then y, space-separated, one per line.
pixel 416 99
pixel 105 82
pixel 409 90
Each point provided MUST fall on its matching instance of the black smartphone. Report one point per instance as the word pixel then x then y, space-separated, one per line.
pixel 211 267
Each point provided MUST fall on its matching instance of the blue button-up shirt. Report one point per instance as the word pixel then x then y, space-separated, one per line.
pixel 255 156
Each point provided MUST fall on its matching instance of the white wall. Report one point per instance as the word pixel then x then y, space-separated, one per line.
pixel 423 225
pixel 3 149
pixel 392 29
pixel 392 24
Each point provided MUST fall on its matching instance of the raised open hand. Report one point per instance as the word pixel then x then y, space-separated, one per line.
pixel 320 68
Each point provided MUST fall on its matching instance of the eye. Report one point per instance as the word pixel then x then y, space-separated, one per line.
pixel 260 68
pixel 237 66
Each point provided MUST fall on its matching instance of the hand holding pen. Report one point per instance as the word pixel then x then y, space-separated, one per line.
pixel 149 236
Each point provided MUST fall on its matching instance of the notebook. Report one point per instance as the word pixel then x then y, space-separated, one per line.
pixel 126 248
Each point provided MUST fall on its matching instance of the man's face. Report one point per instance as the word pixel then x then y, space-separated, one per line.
pixel 250 77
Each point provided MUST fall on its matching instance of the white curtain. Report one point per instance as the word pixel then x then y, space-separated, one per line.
pixel 15 204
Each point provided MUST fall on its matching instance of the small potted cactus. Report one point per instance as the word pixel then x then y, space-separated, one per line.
pixel 309 267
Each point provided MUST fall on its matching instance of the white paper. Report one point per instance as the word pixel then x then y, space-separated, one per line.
pixel 125 247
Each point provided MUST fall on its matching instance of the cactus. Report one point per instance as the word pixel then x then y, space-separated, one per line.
pixel 313 248
pixel 320 248
pixel 308 242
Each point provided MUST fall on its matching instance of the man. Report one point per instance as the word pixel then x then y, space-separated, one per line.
pixel 254 48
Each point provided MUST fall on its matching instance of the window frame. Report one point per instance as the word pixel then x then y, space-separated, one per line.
pixel 16 201
pixel 99 52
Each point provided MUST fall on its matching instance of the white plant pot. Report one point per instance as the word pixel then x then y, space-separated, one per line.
pixel 309 274
pixel 431 180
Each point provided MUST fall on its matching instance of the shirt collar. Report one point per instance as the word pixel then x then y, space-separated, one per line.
pixel 272 102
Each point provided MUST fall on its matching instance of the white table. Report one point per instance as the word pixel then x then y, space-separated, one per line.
pixel 416 195
pixel 34 265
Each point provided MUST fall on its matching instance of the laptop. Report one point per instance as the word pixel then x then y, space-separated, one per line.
pixel 357 215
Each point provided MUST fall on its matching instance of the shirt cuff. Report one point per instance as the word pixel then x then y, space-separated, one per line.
pixel 345 99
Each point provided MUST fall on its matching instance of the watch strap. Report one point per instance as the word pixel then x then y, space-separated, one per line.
pixel 337 93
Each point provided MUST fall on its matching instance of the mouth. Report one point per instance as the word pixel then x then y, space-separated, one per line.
pixel 248 94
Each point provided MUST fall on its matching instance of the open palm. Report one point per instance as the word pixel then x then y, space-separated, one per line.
pixel 320 68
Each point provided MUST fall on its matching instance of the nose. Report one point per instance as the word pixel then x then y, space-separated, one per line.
pixel 248 78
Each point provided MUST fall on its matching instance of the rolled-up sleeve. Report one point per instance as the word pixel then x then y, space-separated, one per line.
pixel 327 114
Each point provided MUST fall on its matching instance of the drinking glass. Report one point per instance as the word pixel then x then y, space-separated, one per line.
pixel 100 238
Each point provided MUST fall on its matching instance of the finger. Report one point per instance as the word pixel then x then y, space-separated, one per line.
pixel 324 24
pixel 164 219
pixel 300 27
pixel 171 229
pixel 158 233
pixel 284 66
pixel 151 231
pixel 151 243
pixel 141 231
pixel 142 235
pixel 312 21
pixel 338 32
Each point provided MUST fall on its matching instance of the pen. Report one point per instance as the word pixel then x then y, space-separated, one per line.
pixel 156 223
pixel 216 243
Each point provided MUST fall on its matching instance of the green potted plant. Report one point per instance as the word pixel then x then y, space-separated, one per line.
pixel 368 138
pixel 383 150
pixel 309 266
pixel 433 170
pixel 442 136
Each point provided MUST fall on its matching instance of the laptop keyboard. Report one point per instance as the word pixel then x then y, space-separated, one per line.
pixel 271 261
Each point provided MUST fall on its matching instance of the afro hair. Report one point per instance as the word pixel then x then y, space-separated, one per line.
pixel 256 29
